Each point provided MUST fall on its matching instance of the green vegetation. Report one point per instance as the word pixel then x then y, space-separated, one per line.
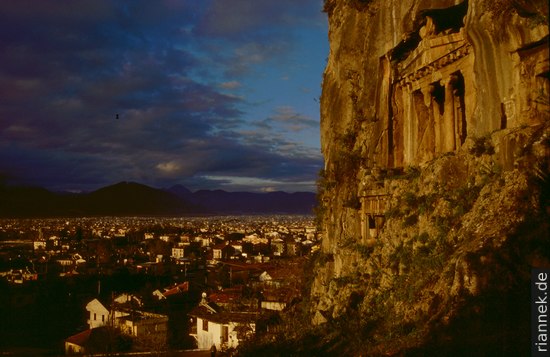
pixel 324 188
pixel 388 305
pixel 482 145
pixel 364 250
pixel 410 220
pixel 409 173
pixel 348 158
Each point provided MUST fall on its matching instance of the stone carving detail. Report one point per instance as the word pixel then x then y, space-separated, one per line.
pixel 429 97
pixel 438 64
pixel 374 204
pixel 444 82
pixel 373 208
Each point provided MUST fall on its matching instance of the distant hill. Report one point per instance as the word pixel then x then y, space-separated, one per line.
pixel 32 202
pixel 130 198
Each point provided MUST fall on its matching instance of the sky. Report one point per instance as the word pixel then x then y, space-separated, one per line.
pixel 209 94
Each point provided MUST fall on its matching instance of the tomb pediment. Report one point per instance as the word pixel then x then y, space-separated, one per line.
pixel 430 89
pixel 435 52
pixel 439 43
pixel 431 55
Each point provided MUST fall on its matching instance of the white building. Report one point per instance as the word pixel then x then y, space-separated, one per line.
pixel 145 325
pixel 129 321
pixel 99 314
pixel 39 245
pixel 178 253
pixel 220 328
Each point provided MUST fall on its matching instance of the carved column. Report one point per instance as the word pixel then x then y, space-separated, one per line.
pixel 434 107
pixel 448 122
pixel 397 125
pixel 426 138
pixel 408 125
pixel 457 83
pixel 436 99
pixel 364 221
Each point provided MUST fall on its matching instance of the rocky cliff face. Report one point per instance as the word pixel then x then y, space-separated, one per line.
pixel 435 200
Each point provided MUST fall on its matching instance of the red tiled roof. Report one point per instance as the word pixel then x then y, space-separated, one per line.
pixel 224 297
pixel 178 289
pixel 245 266
pixel 95 336
pixel 204 311
pixel 224 317
pixel 80 338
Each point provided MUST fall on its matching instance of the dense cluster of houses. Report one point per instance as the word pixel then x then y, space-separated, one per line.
pixel 231 273
pixel 224 316
pixel 171 247
pixel 230 315
pixel 125 317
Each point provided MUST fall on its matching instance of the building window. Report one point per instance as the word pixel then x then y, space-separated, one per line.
pixel 95 317
pixel 102 318
pixel 225 333
pixel 205 325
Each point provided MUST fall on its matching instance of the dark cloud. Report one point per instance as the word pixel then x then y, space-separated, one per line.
pixel 259 31
pixel 70 67
pixel 291 119
pixel 237 19
pixel 244 57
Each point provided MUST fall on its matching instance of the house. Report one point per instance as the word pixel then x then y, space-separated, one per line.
pixel 52 243
pixel 67 265
pixel 265 277
pixel 178 253
pixel 128 299
pixel 278 299
pixel 127 319
pixel 178 289
pixel 99 314
pixel 19 276
pixel 76 343
pixel 238 246
pixel 88 342
pixel 203 241
pixel 224 329
pixel 39 245
pixel 144 325
pixel 223 251
pixel 217 251
pixel 277 276
pixel 227 298
pixel 157 294
pixel 277 246
pixel 234 273
pixel 293 248
pixel 311 229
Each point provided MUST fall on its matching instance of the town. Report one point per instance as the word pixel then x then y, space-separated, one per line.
pixel 126 284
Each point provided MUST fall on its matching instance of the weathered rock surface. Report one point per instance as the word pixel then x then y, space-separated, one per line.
pixel 436 135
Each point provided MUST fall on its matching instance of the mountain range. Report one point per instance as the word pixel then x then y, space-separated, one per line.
pixel 134 199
